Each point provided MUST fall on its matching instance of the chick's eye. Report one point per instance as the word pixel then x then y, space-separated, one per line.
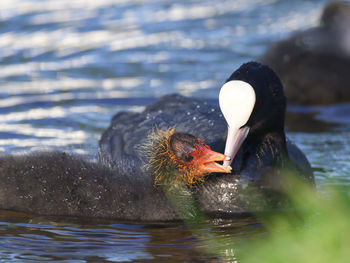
pixel 187 158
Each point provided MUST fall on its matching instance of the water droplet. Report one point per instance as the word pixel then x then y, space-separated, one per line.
pixel 212 109
pixel 194 118
pixel 188 113
pixel 198 106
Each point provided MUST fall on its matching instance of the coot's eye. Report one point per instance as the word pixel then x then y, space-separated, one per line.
pixel 187 158
pixel 258 103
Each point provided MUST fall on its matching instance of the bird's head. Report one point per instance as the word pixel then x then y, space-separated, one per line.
pixel 253 103
pixel 176 157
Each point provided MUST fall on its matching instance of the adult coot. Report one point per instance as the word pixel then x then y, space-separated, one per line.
pixel 314 64
pixel 263 157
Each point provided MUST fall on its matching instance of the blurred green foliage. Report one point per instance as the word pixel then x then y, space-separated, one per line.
pixel 316 230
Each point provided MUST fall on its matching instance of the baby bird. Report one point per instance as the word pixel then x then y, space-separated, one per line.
pixel 60 184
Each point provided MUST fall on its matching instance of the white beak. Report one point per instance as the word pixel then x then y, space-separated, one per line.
pixel 234 140
pixel 237 100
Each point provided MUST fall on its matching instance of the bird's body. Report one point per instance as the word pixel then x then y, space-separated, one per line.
pixel 56 183
pixel 260 164
pixel 59 184
pixel 314 64
pixel 119 145
pixel 118 186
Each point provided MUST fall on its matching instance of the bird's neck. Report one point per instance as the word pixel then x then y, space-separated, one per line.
pixel 269 132
pixel 262 149
pixel 166 176
pixel 273 142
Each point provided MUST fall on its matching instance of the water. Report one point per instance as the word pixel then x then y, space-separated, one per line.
pixel 66 66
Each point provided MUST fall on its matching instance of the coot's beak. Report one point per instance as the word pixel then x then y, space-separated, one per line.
pixel 237 100
pixel 234 140
pixel 207 162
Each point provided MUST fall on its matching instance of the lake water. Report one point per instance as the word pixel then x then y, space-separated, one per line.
pixel 66 66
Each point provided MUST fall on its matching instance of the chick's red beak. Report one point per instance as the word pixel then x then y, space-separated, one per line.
pixel 207 161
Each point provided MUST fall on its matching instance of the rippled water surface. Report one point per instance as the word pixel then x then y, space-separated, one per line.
pixel 66 66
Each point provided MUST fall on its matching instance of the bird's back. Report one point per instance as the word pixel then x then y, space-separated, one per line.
pixel 128 131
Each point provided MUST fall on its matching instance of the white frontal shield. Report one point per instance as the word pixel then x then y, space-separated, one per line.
pixel 237 100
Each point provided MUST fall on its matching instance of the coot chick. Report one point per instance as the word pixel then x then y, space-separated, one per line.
pixel 259 164
pixel 314 64
pixel 59 184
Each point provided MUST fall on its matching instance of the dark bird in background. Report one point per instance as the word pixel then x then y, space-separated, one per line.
pixel 314 64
